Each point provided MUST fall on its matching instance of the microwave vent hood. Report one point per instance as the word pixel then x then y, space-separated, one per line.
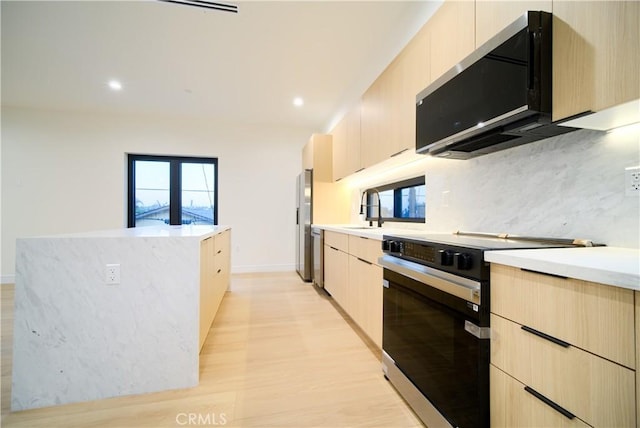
pixel 496 98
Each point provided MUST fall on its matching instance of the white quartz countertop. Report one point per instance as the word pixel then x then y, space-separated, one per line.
pixel 366 231
pixel 184 231
pixel 607 265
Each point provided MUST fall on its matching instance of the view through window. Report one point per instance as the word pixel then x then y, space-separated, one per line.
pixel 401 201
pixel 172 190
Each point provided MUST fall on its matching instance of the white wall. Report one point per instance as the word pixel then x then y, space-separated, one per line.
pixel 570 186
pixel 66 172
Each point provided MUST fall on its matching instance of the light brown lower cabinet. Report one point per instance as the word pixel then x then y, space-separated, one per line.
pixel 336 274
pixel 563 352
pixel 354 279
pixel 215 267
pixel 365 305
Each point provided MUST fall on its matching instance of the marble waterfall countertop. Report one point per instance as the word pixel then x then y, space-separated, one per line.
pixel 162 231
pixel 619 267
pixel 77 338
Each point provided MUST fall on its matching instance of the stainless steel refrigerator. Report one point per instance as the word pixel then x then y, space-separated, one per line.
pixel 304 246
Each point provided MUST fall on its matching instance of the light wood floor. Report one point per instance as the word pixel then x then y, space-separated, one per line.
pixel 279 354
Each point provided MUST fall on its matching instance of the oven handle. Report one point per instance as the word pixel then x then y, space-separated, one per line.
pixel 479 332
pixel 464 288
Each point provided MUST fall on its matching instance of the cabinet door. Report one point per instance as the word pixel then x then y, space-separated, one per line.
pixel 451 34
pixel 346 145
pixel 339 134
pixel 364 303
pixel 354 147
pixel 414 75
pixel 493 16
pixel 371 295
pixel 375 125
pixel 513 407
pixel 596 55
pixel 336 274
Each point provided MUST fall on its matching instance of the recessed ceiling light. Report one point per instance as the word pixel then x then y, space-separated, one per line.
pixel 115 85
pixel 298 102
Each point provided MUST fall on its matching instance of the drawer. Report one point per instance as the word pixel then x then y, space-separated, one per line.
pixel 598 391
pixel 513 407
pixel 337 240
pixel 221 264
pixel 591 316
pixel 222 242
pixel 365 248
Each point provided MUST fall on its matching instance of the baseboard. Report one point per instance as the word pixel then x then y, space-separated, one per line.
pixel 8 279
pixel 262 268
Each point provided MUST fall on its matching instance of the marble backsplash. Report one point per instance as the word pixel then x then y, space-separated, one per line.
pixel 567 186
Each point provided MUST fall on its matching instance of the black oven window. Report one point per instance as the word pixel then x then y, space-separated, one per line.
pixel 403 201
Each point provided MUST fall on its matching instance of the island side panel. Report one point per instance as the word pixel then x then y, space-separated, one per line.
pixel 77 338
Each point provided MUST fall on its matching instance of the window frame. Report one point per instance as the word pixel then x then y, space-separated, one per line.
pixel 175 185
pixel 397 187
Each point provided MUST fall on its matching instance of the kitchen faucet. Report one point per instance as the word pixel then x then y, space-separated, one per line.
pixel 363 205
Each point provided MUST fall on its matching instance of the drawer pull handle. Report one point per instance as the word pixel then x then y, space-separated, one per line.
pixel 545 336
pixel 364 261
pixel 219 270
pixel 543 273
pixel 550 403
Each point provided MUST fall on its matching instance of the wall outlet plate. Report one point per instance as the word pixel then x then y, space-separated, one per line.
pixel 112 274
pixel 632 181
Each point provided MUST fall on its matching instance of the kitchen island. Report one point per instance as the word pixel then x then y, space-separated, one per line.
pixel 109 313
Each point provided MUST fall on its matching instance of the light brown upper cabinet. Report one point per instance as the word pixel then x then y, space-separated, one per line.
pixel 596 55
pixel 375 120
pixel 317 155
pixel 330 200
pixel 493 16
pixel 339 136
pixel 452 35
pixel 354 155
pixel 411 75
pixel 388 106
pixel 346 145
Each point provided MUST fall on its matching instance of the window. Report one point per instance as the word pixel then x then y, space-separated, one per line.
pixel 172 190
pixel 402 201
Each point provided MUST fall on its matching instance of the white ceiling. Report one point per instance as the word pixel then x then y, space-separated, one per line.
pixel 185 61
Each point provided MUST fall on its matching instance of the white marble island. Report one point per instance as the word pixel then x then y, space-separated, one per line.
pixel 77 338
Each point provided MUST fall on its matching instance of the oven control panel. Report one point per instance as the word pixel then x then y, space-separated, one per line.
pixel 454 259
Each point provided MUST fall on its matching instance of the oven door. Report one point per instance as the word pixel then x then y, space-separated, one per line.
pixel 435 337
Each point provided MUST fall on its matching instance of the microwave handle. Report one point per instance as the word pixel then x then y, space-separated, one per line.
pixel 534 49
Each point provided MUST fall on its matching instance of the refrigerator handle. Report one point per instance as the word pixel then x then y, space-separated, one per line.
pixel 297 215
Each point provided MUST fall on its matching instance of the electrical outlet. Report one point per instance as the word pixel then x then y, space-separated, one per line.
pixel 112 274
pixel 632 181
